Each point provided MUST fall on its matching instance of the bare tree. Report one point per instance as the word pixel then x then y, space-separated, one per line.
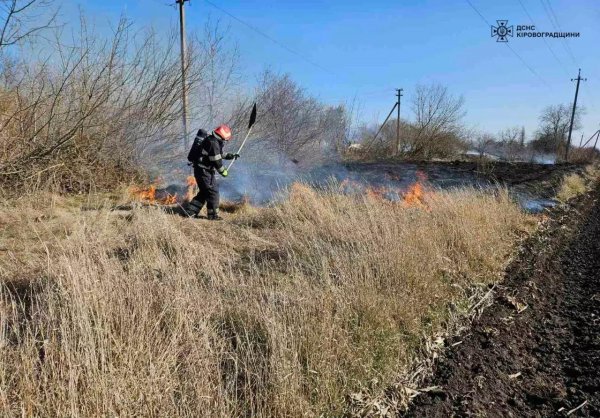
pixel 509 144
pixel 554 127
pixel 509 135
pixel 522 137
pixel 484 142
pixel 438 119
pixel 294 124
pixel 220 75
pixel 21 19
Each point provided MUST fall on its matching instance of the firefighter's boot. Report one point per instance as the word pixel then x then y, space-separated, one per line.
pixel 213 215
pixel 194 207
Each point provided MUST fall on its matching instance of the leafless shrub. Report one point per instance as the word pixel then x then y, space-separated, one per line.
pixel 438 121
pixel 293 124
pixel 483 143
pixel 95 106
pixel 23 19
pixel 554 128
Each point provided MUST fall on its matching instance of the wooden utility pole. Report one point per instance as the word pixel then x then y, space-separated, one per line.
pixel 184 105
pixel 398 95
pixel 573 113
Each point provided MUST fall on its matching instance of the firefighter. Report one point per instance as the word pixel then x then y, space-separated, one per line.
pixel 206 155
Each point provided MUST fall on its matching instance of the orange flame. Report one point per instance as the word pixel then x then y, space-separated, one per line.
pixel 377 192
pixel 148 195
pixel 152 194
pixel 416 196
pixel 191 188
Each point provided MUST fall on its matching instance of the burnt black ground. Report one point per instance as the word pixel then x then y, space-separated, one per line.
pixel 543 360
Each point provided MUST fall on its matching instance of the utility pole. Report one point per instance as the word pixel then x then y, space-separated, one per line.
pixel 399 95
pixel 573 113
pixel 183 71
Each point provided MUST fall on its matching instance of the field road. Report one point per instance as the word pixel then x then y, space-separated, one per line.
pixel 536 350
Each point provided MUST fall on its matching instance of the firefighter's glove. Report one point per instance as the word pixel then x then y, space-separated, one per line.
pixel 225 173
pixel 230 156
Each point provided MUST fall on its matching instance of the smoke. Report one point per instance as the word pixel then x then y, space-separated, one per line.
pixel 544 158
pixel 263 174
pixel 503 152
pixel 259 174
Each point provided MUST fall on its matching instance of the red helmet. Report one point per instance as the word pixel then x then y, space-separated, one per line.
pixel 223 132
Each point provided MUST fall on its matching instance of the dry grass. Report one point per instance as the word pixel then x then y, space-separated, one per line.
pixel 281 311
pixel 576 184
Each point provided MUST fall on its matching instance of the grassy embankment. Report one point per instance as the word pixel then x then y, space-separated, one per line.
pixel 275 311
pixel 574 184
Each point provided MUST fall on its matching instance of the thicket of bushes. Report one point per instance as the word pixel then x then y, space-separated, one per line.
pixel 95 110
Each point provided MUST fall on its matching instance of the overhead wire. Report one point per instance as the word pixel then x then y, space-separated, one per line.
pixel 280 44
pixel 535 73
pixel 291 50
pixel 164 3
pixel 556 25
pixel 560 28
pixel 545 41
pixel 270 38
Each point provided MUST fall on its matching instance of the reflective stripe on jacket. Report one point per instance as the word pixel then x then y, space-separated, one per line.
pixel 211 154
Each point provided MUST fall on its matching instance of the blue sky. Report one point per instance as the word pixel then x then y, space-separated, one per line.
pixel 367 49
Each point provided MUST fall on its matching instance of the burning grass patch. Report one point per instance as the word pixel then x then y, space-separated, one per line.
pixel 283 312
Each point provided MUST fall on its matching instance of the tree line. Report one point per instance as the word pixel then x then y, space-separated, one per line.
pixel 83 109
pixel 437 130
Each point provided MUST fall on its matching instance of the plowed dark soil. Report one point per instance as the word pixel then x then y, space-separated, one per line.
pixel 536 350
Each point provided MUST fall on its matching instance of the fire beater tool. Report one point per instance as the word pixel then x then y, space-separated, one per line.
pixel 250 126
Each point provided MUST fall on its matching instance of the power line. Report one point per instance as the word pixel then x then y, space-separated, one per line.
pixel 556 25
pixel 280 44
pixel 560 28
pixel 535 73
pixel 545 41
pixel 528 66
pixel 478 12
pixel 270 38
pixel 162 3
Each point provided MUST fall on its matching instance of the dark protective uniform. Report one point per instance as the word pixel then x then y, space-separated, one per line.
pixel 209 153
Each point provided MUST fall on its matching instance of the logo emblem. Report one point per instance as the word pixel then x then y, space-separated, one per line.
pixel 502 31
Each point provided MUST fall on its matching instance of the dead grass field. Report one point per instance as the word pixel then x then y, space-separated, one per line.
pixel 279 311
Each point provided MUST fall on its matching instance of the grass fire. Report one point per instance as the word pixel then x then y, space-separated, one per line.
pixel 338 284
pixel 184 234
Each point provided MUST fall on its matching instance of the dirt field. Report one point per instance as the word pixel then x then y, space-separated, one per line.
pixel 536 351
